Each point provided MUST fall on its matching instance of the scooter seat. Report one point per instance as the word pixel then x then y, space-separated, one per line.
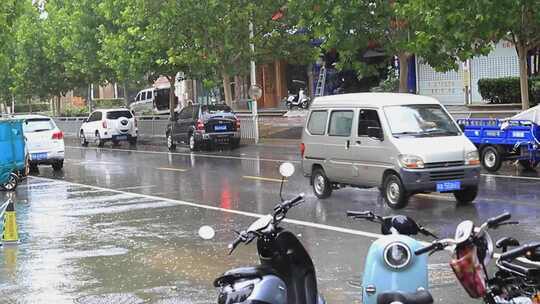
pixel 419 297
pixel 236 274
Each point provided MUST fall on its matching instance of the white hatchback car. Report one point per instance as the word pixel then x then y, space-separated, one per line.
pixel 44 141
pixel 113 125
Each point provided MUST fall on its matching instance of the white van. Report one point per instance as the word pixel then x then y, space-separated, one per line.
pixel 144 101
pixel 402 144
pixel 154 100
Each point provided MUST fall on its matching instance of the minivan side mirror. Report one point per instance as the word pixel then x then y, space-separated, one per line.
pixel 85 120
pixel 375 132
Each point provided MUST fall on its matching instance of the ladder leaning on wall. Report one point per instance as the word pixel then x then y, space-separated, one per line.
pixel 321 82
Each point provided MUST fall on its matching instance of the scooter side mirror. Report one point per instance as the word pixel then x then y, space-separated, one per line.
pixel 286 170
pixel 402 224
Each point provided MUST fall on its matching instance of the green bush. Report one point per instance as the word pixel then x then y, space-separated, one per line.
pixel 507 90
pixel 72 111
pixel 109 103
pixel 36 107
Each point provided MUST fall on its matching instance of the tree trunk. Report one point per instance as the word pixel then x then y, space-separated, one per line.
pixel 30 105
pixel 523 76
pixel 53 106
pixel 59 105
pixel 172 97
pixel 126 97
pixel 403 72
pixel 237 87
pixel 227 88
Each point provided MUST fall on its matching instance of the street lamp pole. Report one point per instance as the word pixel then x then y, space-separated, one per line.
pixel 253 76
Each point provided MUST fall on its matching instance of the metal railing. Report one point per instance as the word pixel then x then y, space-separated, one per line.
pixel 154 126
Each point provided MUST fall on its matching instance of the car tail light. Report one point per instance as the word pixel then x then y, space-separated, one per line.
pixel 200 125
pixel 302 149
pixel 237 124
pixel 58 135
pixel 104 124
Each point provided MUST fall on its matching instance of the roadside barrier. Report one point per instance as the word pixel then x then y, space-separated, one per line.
pixel 155 126
pixel 10 234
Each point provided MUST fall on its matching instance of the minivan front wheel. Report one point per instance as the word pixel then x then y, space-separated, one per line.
pixel 321 185
pixel 394 192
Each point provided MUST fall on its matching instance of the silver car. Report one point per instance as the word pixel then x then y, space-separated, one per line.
pixel 402 144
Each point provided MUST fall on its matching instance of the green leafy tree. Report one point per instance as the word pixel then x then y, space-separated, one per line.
pixel 150 38
pixel 10 10
pixel 448 31
pixel 352 27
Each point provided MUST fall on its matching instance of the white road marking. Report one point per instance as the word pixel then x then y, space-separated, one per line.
pixel 266 179
pixel 137 187
pixel 259 159
pixel 238 212
pixel 511 176
pixel 190 154
pixel 172 169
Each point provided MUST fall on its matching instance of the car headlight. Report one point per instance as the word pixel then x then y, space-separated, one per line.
pixel 472 158
pixel 411 161
pixel 397 255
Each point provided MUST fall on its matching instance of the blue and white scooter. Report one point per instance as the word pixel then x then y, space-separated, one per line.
pixel 393 274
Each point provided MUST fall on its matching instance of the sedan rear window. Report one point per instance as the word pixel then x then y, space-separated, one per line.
pixel 214 109
pixel 38 125
pixel 118 114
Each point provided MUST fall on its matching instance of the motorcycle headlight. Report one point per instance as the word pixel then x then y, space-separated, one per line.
pixel 472 158
pixel 411 161
pixel 397 255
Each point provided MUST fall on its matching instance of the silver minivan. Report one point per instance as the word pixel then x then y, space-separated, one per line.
pixel 403 144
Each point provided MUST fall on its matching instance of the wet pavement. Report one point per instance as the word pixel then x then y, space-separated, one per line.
pixel 120 226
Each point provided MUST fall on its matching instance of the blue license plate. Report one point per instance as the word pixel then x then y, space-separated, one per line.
pixel 448 186
pixel 121 137
pixel 39 156
pixel 220 128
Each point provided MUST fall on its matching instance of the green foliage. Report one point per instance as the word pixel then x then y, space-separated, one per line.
pixel 507 90
pixel 109 103
pixel 389 84
pixel 36 107
pixel 72 111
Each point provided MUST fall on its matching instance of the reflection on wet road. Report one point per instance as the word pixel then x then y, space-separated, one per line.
pixel 120 226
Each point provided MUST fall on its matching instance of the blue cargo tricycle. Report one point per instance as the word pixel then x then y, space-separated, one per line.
pixel 499 140
pixel 13 160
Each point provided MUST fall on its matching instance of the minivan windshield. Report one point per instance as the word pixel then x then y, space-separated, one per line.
pixel 420 121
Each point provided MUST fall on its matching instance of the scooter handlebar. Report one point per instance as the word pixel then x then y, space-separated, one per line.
pixel 293 202
pixel 435 246
pixel 495 221
pixel 520 251
pixel 360 214
pixel 281 209
pixel 232 246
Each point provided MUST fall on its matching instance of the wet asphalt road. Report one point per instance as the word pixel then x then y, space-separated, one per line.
pixel 120 226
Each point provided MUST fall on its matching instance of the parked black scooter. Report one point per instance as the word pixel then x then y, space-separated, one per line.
pixel 286 274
